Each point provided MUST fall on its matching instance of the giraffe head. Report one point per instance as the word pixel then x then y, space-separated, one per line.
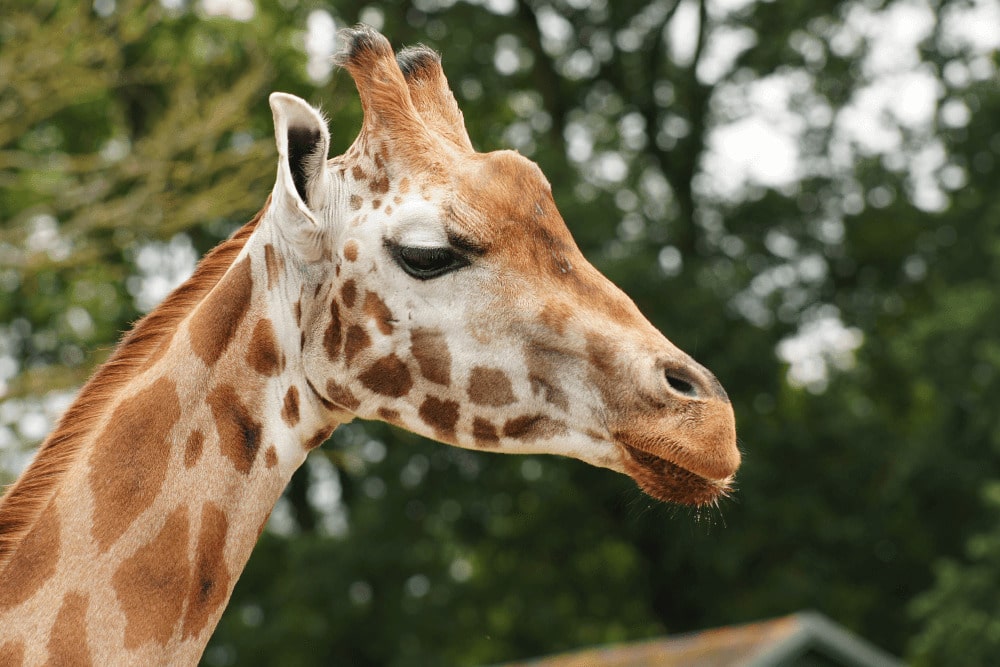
pixel 444 293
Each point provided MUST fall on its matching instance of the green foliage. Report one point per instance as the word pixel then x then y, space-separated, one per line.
pixel 858 490
pixel 960 615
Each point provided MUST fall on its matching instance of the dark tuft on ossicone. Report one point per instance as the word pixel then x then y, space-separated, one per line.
pixel 413 60
pixel 360 41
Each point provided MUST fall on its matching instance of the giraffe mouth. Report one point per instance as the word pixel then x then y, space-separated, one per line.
pixel 667 481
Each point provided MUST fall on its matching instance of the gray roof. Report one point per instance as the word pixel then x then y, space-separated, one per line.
pixel 806 639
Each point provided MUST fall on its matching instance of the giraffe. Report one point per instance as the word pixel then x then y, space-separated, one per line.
pixel 411 280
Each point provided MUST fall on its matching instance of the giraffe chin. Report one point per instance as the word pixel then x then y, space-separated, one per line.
pixel 669 482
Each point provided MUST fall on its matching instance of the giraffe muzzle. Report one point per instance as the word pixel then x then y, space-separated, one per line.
pixel 679 441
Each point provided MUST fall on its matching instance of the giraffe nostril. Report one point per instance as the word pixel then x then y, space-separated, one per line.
pixel 681 386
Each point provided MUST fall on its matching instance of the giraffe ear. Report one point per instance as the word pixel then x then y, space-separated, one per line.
pixel 303 184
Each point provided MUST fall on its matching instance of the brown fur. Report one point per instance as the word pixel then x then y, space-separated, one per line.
pixel 376 309
pixel 239 430
pixel 532 427
pixel 68 644
pixel 128 462
pixel 485 432
pixel 388 376
pixel 34 561
pixel 355 341
pixel 219 316
pixel 333 334
pixel 192 451
pixel 271 262
pixel 12 653
pixel 210 583
pixel 263 354
pixel 341 397
pixel 430 349
pixel 23 502
pixel 290 408
pixel 490 386
pixel 143 578
pixel 441 415
pixel 348 293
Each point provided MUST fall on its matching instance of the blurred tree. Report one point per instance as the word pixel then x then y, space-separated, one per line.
pixel 960 614
pixel 801 194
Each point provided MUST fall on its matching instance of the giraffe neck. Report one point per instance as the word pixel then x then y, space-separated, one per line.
pixel 143 536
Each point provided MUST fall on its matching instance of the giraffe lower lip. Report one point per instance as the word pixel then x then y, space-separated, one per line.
pixel 667 481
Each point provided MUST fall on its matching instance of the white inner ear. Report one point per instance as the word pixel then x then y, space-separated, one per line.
pixel 303 142
pixel 302 189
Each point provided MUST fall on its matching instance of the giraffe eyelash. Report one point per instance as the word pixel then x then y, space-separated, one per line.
pixel 425 263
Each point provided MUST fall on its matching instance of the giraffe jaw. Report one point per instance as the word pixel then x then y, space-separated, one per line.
pixel 667 481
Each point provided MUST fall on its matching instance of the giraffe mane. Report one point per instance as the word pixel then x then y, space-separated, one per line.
pixel 27 497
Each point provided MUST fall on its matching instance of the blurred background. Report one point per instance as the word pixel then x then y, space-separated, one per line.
pixel 804 195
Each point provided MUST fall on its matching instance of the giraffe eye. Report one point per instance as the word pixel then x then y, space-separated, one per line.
pixel 426 263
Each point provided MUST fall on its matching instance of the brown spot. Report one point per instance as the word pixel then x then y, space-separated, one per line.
pixel 220 315
pixel 68 640
pixel 340 396
pixel 442 415
pixel 379 185
pixel 532 427
pixel 388 210
pixel 397 200
pixel 376 203
pixel 351 250
pixel 129 461
pixel 358 173
pixel 485 432
pixel 356 340
pixel 239 432
pixel 348 293
pixel 298 312
pixel 192 450
pixel 12 653
pixel 555 315
pixel 552 394
pixel 389 415
pixel 271 457
pixel 271 262
pixel 430 349
pixel 490 386
pixel 34 560
pixel 263 354
pixel 404 185
pixel 151 584
pixel 318 439
pixel 209 586
pixel 376 309
pixel 290 407
pixel 601 353
pixel 333 335
pixel 388 376
pixel 355 202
